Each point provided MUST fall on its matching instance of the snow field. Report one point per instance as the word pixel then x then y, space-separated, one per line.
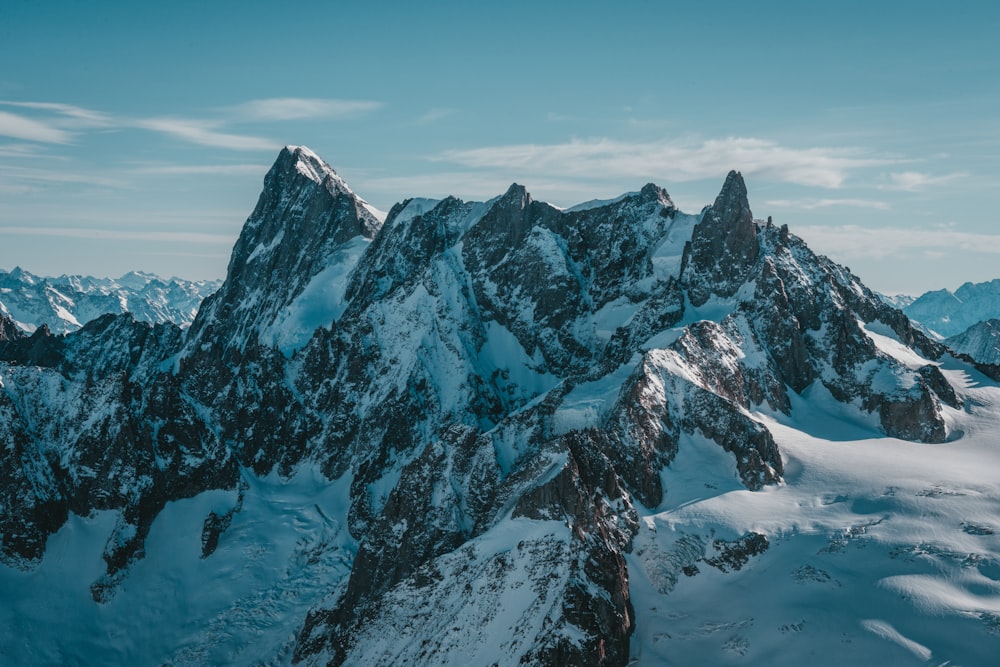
pixel 881 551
pixel 284 552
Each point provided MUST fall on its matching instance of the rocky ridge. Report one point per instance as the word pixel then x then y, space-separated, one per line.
pixel 499 384
pixel 981 342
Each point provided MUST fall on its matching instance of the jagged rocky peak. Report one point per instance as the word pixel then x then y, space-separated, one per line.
pixel 724 245
pixel 290 196
pixel 505 225
pixel 67 302
pixel 307 220
pixel 8 330
pixel 653 192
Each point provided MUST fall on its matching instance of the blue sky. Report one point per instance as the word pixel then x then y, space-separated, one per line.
pixel 136 136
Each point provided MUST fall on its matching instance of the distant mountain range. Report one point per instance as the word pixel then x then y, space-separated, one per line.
pixel 944 313
pixel 966 320
pixel 66 303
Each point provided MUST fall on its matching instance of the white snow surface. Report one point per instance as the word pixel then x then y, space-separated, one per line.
pixel 284 552
pixel 320 304
pixel 511 596
pixel 311 165
pixel 882 551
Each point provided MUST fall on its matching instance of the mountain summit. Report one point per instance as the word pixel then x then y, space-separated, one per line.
pixel 498 433
pixel 307 222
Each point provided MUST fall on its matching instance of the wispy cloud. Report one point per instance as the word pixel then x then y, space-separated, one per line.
pixel 17 188
pixel 25 150
pixel 463 184
pixel 205 133
pixel 213 169
pixel 812 204
pixel 683 160
pixel 856 242
pixel 34 175
pixel 57 123
pixel 434 115
pixel 299 108
pixel 913 181
pixel 84 117
pixel 29 129
pixel 118 234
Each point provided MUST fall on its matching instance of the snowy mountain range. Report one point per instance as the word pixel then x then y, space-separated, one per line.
pixel 944 313
pixel 500 433
pixel 66 303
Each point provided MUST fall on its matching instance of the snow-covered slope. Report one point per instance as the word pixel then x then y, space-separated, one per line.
pixel 68 302
pixel 873 551
pixel 981 341
pixel 501 433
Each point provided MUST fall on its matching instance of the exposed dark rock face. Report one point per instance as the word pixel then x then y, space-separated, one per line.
pixel 733 555
pixel 724 246
pixel 305 215
pixel 97 425
pixel 437 364
pixel 8 330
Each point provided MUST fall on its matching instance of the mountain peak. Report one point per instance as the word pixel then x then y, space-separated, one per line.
pixel 516 194
pixel 732 203
pixel 8 330
pixel 305 221
pixel 307 163
pixel 724 244
pixel 653 192
pixel 299 162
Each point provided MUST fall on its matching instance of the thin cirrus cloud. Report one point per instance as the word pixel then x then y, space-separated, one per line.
pixel 29 175
pixel 913 181
pixel 434 115
pixel 23 150
pixel 68 114
pixel 204 133
pixel 857 242
pixel 118 235
pixel 62 123
pixel 301 108
pixel 57 123
pixel 684 160
pixel 22 128
pixel 813 204
pixel 203 169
